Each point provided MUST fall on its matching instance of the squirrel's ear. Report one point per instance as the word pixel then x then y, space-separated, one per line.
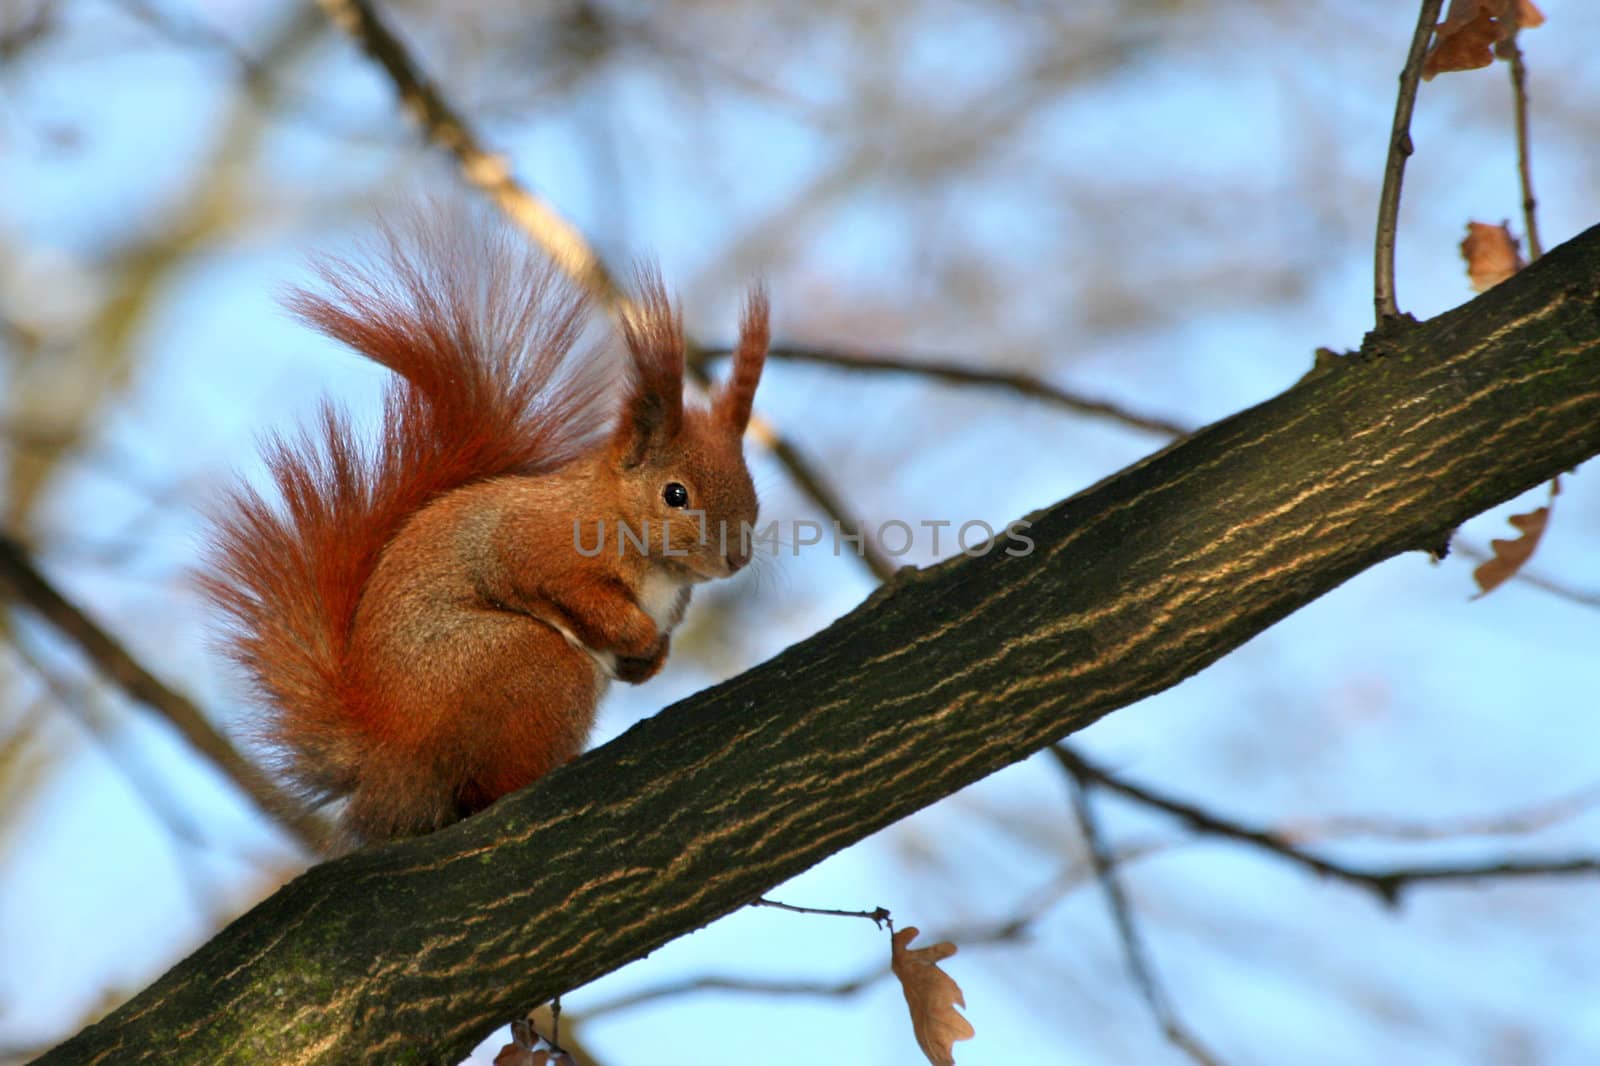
pixel 652 407
pixel 738 393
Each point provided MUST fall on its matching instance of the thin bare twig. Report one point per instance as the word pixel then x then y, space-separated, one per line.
pixel 22 582
pixel 1512 51
pixel 821 492
pixel 1387 884
pixel 491 174
pixel 1400 148
pixel 556 1020
pixel 957 373
pixel 1004 931
pixel 877 916
pixel 1139 965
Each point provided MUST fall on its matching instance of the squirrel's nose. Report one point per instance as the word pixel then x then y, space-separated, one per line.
pixel 738 556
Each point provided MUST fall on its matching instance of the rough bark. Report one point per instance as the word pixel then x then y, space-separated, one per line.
pixel 414 952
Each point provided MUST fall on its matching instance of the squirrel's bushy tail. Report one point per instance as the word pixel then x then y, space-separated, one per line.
pixel 477 328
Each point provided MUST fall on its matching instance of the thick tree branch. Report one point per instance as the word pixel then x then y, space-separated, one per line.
pixel 416 951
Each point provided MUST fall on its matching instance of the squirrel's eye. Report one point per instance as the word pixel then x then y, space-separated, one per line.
pixel 675 495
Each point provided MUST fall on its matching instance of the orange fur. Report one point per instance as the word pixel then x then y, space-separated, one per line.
pixel 423 631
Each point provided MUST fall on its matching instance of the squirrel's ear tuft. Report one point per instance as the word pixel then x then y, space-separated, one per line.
pixel 738 393
pixel 652 408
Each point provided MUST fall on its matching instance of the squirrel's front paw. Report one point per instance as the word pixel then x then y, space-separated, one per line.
pixel 636 669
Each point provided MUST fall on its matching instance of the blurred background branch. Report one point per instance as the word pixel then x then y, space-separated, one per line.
pixel 24 584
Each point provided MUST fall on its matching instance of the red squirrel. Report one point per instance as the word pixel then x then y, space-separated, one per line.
pixel 426 617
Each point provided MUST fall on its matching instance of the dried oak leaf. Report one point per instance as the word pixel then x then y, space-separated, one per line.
pixel 1491 254
pixel 1510 555
pixel 1528 15
pixel 1466 38
pixel 931 994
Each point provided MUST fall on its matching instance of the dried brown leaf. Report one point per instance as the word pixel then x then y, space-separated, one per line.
pixel 1491 254
pixel 1510 555
pixel 1465 40
pixel 931 994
